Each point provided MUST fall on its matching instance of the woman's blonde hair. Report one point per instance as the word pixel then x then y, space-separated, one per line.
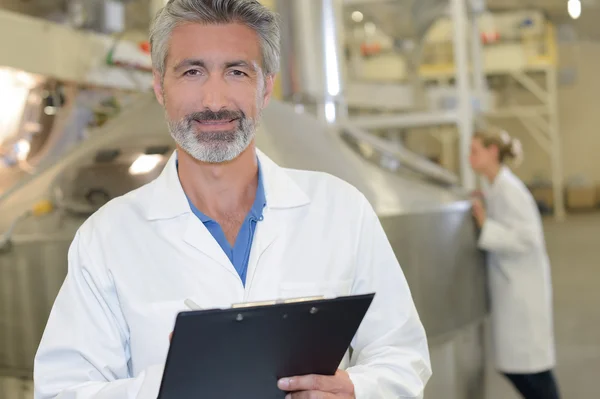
pixel 509 148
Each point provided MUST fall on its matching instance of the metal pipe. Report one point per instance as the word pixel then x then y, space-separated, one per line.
pixel 312 58
pixel 556 157
pixel 465 106
pixel 421 119
pixel 479 78
pixel 406 157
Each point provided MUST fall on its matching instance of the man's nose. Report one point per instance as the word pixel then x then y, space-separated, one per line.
pixel 215 96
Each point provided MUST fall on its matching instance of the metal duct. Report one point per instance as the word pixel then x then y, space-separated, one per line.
pixel 312 56
pixel 400 19
pixel 104 16
pixel 430 228
pixel 404 21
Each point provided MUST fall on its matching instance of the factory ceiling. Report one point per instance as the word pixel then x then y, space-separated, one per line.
pixel 397 18
pixel 408 18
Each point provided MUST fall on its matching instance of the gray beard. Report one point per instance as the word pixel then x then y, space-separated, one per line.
pixel 212 147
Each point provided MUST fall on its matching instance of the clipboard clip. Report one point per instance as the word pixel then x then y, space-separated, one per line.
pixel 276 302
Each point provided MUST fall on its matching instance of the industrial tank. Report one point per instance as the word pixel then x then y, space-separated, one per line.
pixel 429 226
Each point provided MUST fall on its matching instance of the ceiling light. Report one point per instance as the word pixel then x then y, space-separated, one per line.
pixel 144 164
pixel 357 16
pixel 574 7
pixel 22 149
pixel 50 110
pixel 330 112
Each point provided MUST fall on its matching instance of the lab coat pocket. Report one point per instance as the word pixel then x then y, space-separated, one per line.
pixel 315 288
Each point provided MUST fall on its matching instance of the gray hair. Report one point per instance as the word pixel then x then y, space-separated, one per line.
pixel 248 12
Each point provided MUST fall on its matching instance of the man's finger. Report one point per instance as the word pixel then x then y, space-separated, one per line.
pixel 339 383
pixel 304 383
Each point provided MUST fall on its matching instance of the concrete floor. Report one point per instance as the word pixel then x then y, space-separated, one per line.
pixel 574 248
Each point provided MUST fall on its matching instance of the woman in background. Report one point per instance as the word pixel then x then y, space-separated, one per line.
pixel 518 269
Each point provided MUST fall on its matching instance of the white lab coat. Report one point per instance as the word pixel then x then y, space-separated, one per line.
pixel 135 261
pixel 519 278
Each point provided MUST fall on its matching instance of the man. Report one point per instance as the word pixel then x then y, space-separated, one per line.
pixel 223 224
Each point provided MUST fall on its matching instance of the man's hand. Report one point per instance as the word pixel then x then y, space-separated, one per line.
pixel 338 386
pixel 479 212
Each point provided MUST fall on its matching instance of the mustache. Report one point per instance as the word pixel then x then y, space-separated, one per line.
pixel 208 116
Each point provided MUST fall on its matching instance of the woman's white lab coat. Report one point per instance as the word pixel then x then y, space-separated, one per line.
pixel 134 263
pixel 519 278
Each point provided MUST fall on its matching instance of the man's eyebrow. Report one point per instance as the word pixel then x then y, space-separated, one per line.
pixel 189 62
pixel 241 63
pixel 194 62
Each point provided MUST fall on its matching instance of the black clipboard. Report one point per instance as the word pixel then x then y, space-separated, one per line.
pixel 242 352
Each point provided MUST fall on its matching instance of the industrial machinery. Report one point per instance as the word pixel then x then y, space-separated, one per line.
pixel 40 119
pixel 429 225
pixel 426 217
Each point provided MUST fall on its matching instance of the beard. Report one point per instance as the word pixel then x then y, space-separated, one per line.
pixel 216 146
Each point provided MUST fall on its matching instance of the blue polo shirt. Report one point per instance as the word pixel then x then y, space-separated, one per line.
pixel 239 254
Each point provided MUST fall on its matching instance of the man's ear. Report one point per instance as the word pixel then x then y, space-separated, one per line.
pixel 157 84
pixel 269 84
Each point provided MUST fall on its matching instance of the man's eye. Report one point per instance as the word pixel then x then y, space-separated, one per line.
pixel 236 72
pixel 192 72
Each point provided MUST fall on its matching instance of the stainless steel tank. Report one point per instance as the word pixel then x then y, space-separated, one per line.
pixel 429 226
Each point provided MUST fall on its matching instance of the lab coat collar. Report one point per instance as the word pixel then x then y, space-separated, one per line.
pixel 502 174
pixel 167 199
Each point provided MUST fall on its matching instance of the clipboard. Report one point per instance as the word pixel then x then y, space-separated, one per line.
pixel 242 352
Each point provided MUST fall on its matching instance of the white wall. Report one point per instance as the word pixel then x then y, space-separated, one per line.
pixel 580 112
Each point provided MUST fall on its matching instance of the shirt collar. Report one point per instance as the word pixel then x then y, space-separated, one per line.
pixel 164 197
pixel 260 201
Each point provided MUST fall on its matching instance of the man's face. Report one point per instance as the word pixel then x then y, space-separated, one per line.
pixel 213 89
